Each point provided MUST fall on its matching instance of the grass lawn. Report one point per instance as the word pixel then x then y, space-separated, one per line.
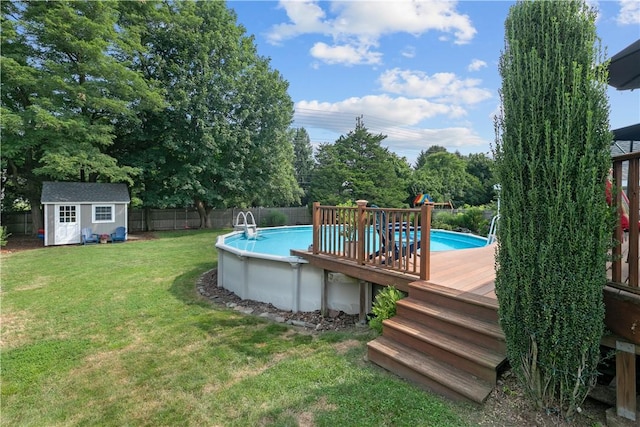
pixel 117 335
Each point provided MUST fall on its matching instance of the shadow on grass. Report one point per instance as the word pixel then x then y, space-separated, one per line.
pixel 184 287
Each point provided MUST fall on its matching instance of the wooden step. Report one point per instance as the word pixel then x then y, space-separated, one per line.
pixel 472 304
pixel 478 331
pixel 427 372
pixel 476 360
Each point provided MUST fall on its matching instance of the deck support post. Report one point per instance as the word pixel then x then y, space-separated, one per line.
pixel 362 315
pixel 324 309
pixel 626 380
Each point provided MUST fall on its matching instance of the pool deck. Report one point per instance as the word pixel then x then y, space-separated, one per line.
pixel 467 270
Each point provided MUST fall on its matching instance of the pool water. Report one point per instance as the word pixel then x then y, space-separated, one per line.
pixel 278 241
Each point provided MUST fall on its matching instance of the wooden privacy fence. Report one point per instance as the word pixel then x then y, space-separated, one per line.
pixel 175 219
pixel 394 239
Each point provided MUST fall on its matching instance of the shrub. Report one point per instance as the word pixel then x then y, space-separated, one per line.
pixel 4 236
pixel 275 219
pixel 472 218
pixel 384 306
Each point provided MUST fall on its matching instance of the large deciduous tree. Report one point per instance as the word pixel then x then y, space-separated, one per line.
pixel 223 137
pixel 357 167
pixel 552 156
pixel 63 89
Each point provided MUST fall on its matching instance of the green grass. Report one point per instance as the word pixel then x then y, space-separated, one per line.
pixel 117 335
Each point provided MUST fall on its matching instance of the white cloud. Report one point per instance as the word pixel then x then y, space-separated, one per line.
pixel 408 52
pixel 345 54
pixel 358 25
pixel 443 87
pixel 629 12
pixel 306 17
pixel 476 64
pixel 400 111
pixel 401 119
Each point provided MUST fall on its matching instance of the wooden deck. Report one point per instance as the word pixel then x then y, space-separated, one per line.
pixel 467 270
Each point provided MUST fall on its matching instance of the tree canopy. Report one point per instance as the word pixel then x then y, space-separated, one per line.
pixel 358 167
pixel 171 98
pixel 62 94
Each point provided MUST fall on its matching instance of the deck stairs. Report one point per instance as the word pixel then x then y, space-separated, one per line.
pixel 445 341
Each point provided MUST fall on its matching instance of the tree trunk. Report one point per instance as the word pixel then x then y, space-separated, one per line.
pixel 148 221
pixel 203 212
pixel 37 221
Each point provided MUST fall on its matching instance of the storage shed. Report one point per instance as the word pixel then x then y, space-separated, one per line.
pixel 71 206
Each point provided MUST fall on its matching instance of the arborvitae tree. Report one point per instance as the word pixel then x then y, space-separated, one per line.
pixel 552 160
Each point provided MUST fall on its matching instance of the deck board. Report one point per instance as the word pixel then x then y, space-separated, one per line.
pixel 468 270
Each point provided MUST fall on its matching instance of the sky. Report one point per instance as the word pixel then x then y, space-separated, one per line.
pixel 423 73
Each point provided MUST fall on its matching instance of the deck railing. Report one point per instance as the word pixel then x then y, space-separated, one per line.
pixel 394 239
pixel 624 268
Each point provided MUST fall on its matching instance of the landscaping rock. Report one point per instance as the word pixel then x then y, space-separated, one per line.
pixel 312 321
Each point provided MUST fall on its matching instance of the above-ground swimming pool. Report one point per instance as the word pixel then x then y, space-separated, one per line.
pixel 263 270
pixel 278 241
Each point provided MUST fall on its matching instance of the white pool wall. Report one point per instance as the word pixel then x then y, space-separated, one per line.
pixel 289 283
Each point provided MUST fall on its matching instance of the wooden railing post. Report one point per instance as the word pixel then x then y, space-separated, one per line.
pixel 425 241
pixel 316 228
pixel 616 199
pixel 632 192
pixel 362 217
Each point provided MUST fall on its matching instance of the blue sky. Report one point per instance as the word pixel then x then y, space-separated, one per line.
pixel 423 73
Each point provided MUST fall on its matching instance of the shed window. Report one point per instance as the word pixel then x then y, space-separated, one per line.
pixel 103 213
pixel 66 214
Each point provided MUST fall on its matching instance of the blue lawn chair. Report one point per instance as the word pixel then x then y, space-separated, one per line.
pixel 120 235
pixel 88 236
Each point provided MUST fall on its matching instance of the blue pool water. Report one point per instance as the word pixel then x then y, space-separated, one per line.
pixel 280 240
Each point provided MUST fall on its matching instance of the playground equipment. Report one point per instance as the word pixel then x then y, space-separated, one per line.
pixel 421 199
pixel 247 223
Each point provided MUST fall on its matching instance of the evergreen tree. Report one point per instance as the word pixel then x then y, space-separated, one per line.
pixel 552 158
pixel 303 163
pixel 422 156
pixel 357 167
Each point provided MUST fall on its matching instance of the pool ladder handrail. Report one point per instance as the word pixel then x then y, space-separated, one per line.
pixel 491 237
pixel 247 223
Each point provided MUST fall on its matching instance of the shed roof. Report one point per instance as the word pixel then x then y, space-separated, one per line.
pixel 83 192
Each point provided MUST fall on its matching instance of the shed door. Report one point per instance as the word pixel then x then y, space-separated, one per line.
pixel 67 224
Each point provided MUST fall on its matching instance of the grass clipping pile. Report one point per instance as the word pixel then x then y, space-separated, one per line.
pixel 506 406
